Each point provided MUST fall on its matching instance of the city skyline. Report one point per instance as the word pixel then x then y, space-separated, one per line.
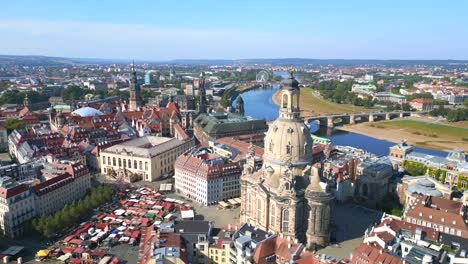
pixel 210 30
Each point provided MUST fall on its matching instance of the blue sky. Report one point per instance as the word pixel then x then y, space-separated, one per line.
pixel 217 29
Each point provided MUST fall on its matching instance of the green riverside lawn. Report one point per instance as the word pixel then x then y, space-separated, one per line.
pixel 428 128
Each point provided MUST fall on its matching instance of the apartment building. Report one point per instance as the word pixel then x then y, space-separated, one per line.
pixel 206 177
pixel 16 206
pixel 65 182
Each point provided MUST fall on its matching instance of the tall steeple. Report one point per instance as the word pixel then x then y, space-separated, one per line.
pixel 240 106
pixel 135 92
pixel 202 95
pixel 26 101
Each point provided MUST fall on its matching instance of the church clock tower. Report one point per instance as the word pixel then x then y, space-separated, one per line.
pixel 135 91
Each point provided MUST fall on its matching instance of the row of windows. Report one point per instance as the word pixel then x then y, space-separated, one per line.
pixel 441 228
pixel 126 163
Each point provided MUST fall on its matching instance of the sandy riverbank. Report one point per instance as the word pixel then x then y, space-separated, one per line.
pixel 397 134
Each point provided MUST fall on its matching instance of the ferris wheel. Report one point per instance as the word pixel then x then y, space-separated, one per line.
pixel 263 76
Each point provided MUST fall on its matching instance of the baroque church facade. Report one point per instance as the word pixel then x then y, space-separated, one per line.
pixel 285 195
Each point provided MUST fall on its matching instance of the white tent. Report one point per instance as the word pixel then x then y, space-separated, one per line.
pixel 188 214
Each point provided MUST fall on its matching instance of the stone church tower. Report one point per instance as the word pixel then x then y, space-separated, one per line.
pixel 240 106
pixel 202 108
pixel 135 91
pixel 282 196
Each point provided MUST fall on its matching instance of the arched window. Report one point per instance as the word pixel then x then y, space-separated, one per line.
pixel 249 203
pixel 259 210
pixel 120 163
pixel 103 159
pixel 271 146
pixel 141 165
pixel 285 101
pixel 113 161
pixel 135 164
pixel 129 163
pixel 146 165
pixel 108 160
pixel 285 221
pixel 273 216
pixel 124 161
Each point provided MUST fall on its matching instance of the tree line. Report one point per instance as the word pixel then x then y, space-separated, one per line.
pixel 452 115
pixel 17 97
pixel 340 92
pixel 71 214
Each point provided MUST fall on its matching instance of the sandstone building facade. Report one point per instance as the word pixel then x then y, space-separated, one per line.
pixel 285 196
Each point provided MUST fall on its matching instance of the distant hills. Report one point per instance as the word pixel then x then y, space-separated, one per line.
pixel 60 61
pixel 34 60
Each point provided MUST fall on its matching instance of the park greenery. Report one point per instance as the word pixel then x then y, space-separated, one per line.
pixel 340 93
pixel 421 127
pixel 235 76
pixel 71 214
pixel 12 124
pixel 17 97
pixel 414 168
pixel 452 115
pixel 387 205
pixel 70 93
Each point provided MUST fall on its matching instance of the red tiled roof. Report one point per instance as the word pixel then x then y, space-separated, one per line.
pixel 442 212
pixel 240 145
pixel 282 248
pixel 371 255
pixel 6 193
pixel 422 101
pixel 52 184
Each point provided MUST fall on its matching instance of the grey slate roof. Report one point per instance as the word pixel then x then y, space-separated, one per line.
pixel 148 146
pixel 214 124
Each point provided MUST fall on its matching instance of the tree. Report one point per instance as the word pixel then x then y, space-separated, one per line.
pixel 123 95
pixel 11 97
pixel 73 92
pixel 452 116
pixel 12 124
pixel 414 168
pixel 406 107
pixel 439 111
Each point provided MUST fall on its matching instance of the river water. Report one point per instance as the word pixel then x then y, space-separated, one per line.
pixel 258 104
